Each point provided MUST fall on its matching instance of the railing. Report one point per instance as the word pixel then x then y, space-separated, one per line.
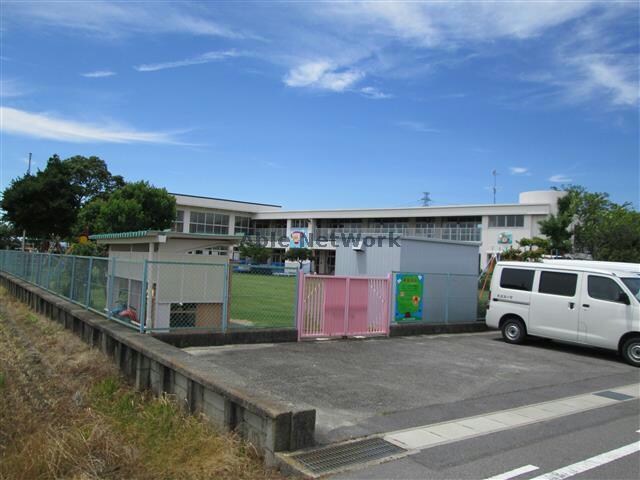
pixel 464 234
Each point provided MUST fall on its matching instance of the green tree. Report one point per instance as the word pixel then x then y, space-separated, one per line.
pixel 91 178
pixel 135 206
pixel 257 253
pixel 616 238
pixel 299 255
pixel 87 249
pixel 8 237
pixel 44 204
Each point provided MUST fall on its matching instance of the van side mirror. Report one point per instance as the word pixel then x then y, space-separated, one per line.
pixel 624 298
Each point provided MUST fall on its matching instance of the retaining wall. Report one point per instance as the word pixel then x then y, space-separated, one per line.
pixel 271 426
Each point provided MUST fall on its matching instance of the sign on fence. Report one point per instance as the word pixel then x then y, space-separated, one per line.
pixel 409 293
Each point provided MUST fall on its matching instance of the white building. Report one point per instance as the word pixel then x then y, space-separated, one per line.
pixel 495 226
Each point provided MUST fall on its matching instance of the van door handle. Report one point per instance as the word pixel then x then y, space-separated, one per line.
pixel 585 305
pixel 571 305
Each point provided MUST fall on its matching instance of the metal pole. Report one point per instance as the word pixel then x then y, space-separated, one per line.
pixel 225 299
pixel 73 277
pixel 110 282
pixel 143 297
pixel 48 271
pixel 24 231
pixel 87 296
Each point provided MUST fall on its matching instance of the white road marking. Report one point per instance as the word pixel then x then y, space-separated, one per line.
pixel 514 473
pixel 590 463
pixel 427 436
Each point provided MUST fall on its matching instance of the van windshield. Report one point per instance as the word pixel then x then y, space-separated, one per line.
pixel 633 284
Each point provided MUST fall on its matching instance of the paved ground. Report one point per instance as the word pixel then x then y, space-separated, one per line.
pixel 374 386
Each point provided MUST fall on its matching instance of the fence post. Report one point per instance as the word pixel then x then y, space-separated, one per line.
pixel 347 298
pixel 446 298
pixel 300 304
pixel 110 282
pixel 87 296
pixel 143 297
pixel 225 298
pixel 73 277
pixel 48 271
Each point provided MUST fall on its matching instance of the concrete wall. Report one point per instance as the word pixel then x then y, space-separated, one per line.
pixel 270 425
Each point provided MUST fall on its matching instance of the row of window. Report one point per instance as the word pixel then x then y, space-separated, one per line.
pixel 560 283
pixel 496 221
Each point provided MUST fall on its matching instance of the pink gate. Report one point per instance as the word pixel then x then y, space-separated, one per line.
pixel 335 306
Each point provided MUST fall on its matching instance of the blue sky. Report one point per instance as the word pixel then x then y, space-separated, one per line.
pixel 342 104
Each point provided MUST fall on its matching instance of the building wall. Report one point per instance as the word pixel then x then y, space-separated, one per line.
pixel 438 257
pixel 376 261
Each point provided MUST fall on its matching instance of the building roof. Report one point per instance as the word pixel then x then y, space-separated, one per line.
pixel 159 236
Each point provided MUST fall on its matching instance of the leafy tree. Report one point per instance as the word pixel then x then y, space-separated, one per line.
pixel 616 238
pixel 299 255
pixel 8 237
pixel 91 178
pixel 135 206
pixel 44 204
pixel 87 249
pixel 256 252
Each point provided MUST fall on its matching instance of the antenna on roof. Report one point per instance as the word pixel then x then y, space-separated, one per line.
pixel 495 184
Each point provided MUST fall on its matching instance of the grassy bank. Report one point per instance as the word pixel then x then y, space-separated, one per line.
pixel 66 413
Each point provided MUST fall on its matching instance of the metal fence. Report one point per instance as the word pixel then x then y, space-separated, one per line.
pixel 435 298
pixel 262 296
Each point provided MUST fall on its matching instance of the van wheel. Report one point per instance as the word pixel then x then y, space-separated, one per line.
pixel 514 331
pixel 631 351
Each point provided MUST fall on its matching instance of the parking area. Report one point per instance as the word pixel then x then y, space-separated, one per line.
pixel 360 387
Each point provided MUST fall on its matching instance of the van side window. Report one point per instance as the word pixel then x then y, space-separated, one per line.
pixel 556 283
pixel 603 288
pixel 517 279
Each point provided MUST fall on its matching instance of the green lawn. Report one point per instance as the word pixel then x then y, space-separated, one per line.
pixel 262 300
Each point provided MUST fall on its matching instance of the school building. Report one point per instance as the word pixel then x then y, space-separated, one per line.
pixel 495 226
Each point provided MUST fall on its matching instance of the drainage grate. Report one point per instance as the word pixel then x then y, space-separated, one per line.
pixel 614 395
pixel 337 457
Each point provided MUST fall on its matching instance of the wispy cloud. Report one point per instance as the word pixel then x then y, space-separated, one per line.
pixel 322 75
pixel 417 127
pixel 117 19
pixel 45 126
pixel 99 74
pixel 197 60
pixel 560 178
pixel 519 171
pixel 11 88
pixel 374 93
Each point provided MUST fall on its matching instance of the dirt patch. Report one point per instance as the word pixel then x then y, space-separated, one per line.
pixel 65 412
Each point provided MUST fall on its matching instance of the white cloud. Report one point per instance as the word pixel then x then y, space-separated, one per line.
pixel 417 127
pixel 323 75
pixel 374 93
pixel 41 125
pixel 11 88
pixel 115 19
pixel 519 171
pixel 617 76
pixel 197 60
pixel 99 74
pixel 560 178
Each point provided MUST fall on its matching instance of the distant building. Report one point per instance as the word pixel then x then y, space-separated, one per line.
pixel 495 226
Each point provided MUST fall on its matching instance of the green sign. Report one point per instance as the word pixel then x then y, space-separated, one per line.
pixel 409 292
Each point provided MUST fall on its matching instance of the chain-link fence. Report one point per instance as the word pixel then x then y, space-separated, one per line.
pixel 435 298
pixel 262 296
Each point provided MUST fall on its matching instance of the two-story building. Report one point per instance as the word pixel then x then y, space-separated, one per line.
pixel 496 226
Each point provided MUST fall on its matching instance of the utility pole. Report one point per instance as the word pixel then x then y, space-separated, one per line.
pixel 24 232
pixel 495 184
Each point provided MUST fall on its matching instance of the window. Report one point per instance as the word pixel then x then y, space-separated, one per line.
pixel 603 288
pixel 182 315
pixel 178 223
pixel 299 223
pixel 556 283
pixel 497 221
pixel 242 225
pixel 517 279
pixel 202 222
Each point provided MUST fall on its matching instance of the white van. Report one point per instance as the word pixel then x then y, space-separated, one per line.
pixel 577 304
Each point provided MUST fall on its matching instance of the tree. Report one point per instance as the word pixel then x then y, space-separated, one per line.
pixel 135 206
pixel 87 249
pixel 257 253
pixel 556 228
pixel 8 237
pixel 91 177
pixel 299 255
pixel 617 236
pixel 530 250
pixel 44 204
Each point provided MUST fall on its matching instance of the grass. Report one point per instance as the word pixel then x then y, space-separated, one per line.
pixel 66 413
pixel 263 300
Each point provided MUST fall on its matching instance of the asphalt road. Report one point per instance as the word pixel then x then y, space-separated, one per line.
pixel 548 446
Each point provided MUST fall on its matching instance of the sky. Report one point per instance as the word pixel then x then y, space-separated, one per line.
pixel 328 104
